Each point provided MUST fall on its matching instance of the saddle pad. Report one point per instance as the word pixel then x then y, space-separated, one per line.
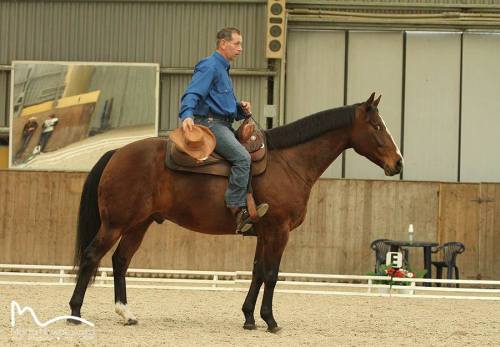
pixel 214 165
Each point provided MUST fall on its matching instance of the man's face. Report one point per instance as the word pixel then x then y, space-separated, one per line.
pixel 231 49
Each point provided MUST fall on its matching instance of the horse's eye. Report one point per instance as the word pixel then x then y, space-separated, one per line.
pixel 377 127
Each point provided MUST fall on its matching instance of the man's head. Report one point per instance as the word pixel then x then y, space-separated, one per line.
pixel 229 43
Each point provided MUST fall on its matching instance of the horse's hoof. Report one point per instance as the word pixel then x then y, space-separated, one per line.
pixel 273 330
pixel 71 321
pixel 131 321
pixel 249 326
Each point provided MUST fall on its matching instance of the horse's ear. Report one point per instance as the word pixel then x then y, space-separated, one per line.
pixel 377 101
pixel 370 99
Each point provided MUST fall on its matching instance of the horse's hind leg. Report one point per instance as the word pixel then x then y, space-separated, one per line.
pixel 126 249
pixel 257 280
pixel 103 241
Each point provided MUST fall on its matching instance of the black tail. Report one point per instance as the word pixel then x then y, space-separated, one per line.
pixel 89 220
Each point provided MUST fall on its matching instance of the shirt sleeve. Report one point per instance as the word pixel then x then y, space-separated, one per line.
pixel 197 90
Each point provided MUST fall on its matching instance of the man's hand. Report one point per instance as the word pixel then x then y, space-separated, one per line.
pixel 247 108
pixel 187 124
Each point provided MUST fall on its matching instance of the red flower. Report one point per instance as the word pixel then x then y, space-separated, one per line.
pixel 391 271
pixel 399 274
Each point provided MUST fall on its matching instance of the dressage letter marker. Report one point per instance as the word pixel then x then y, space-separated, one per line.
pixel 394 259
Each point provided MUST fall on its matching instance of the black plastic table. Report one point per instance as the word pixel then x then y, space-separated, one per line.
pixel 427 246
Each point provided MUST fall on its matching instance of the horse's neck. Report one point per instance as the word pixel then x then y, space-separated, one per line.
pixel 309 160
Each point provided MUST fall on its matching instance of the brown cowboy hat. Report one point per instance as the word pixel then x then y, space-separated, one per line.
pixel 197 143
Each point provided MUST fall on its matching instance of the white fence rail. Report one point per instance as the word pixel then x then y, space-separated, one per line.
pixel 324 284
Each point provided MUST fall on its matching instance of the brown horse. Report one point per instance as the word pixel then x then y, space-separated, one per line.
pixel 130 188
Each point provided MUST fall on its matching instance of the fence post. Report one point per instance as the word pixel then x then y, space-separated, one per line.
pixel 103 277
pixel 412 286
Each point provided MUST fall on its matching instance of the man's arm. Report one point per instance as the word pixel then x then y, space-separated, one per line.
pixel 244 110
pixel 197 90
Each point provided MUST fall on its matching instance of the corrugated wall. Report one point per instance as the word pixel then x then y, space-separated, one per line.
pixel 395 6
pixel 174 34
pixel 250 88
pixel 171 89
pixel 4 98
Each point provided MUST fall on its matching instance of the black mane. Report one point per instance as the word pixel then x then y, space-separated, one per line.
pixel 310 127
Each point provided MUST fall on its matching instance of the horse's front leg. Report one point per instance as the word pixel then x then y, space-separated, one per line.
pixel 274 245
pixel 257 280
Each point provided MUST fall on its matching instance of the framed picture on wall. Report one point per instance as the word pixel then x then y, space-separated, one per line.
pixel 65 115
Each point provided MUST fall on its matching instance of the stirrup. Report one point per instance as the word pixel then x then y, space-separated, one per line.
pixel 244 223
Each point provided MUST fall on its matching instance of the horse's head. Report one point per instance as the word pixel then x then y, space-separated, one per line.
pixel 371 138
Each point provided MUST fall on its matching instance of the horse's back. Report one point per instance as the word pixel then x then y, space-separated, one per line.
pixel 150 145
pixel 138 154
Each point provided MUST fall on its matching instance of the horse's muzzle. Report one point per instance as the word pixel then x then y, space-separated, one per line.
pixel 391 171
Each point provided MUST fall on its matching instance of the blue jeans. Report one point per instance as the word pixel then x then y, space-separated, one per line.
pixel 228 146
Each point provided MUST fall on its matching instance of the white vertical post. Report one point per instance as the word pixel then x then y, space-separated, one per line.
pixel 370 283
pixel 61 276
pixel 103 277
pixel 216 278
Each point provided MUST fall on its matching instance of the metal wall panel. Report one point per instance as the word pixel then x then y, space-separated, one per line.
pixel 171 89
pixel 251 89
pixel 375 64
pixel 432 100
pixel 406 5
pixel 315 76
pixel 4 98
pixel 480 115
pixel 173 34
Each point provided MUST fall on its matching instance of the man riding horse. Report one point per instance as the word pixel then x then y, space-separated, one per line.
pixel 209 101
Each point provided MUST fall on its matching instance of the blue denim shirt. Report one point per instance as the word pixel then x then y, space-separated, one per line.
pixel 211 89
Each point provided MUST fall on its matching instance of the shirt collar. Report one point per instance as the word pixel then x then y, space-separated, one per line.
pixel 220 58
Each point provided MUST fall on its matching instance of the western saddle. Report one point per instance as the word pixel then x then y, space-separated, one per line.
pixel 249 136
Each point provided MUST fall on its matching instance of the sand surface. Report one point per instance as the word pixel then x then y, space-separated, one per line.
pixel 194 318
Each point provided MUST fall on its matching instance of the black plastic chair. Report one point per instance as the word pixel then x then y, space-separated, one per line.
pixel 449 252
pixel 381 249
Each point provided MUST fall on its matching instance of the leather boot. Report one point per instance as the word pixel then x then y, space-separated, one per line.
pixel 243 221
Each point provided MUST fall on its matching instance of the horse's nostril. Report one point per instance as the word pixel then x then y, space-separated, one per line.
pixel 399 163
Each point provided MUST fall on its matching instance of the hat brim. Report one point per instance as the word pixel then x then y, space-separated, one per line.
pixel 201 153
